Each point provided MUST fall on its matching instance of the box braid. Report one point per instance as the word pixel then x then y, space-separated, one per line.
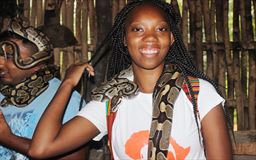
pixel 177 53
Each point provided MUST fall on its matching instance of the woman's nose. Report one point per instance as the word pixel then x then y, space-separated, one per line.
pixel 150 37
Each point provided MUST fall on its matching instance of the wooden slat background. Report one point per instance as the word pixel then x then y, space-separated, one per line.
pixel 219 34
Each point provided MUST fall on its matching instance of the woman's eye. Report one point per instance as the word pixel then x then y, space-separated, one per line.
pixel 162 29
pixel 137 29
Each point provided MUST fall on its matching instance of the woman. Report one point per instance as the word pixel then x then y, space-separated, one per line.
pixel 149 64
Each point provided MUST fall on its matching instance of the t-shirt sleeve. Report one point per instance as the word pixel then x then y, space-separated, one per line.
pixel 208 98
pixel 95 112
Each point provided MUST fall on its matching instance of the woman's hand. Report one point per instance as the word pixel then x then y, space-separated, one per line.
pixel 75 71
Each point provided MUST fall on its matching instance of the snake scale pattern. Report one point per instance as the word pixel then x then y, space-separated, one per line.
pixel 164 96
pixel 21 27
pixel 116 89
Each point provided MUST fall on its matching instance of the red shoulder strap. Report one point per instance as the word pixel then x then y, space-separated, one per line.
pixel 195 87
pixel 110 120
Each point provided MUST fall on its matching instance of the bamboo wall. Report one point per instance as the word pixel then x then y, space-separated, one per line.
pixel 220 36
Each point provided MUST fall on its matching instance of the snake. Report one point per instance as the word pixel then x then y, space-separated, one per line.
pixel 116 89
pixel 23 93
pixel 165 93
pixel 21 27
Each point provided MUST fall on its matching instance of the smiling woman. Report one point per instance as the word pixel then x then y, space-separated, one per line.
pixel 155 98
pixel 148 38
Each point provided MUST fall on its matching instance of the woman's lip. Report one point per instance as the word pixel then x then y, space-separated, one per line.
pixel 149 50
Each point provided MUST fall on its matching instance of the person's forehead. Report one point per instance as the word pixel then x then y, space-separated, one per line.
pixel 19 44
pixel 146 9
pixel 21 48
pixel 17 41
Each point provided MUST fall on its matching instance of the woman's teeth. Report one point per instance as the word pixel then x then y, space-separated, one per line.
pixel 149 51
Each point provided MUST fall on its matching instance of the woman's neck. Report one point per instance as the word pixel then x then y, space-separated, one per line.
pixel 146 79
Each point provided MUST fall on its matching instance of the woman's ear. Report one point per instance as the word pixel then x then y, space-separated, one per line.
pixel 171 38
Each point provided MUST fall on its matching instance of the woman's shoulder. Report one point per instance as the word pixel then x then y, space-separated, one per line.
pixel 195 81
pixel 206 85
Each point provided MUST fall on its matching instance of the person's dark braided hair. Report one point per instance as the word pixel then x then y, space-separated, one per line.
pixel 177 53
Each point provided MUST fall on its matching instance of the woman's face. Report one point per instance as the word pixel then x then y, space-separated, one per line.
pixel 147 36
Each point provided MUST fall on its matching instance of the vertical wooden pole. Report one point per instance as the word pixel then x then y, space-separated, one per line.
pixel 254 7
pixel 84 34
pixel 198 35
pixel 213 40
pixel 69 57
pixel 78 20
pixel 237 63
pixel 221 54
pixel 192 10
pixel 39 13
pixel 228 57
pixel 62 53
pixel 207 28
pixel 63 12
pixel 92 23
pixel 184 23
pixel 26 12
pixel 70 14
pixel 252 67
pixel 241 111
pixel 32 17
pixel 104 24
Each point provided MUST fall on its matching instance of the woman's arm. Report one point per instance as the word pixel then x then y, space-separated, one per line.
pixel 51 138
pixel 215 133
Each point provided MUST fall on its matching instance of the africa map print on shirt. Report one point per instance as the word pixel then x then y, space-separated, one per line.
pixel 136 145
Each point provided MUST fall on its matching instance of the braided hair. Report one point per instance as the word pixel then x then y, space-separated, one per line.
pixel 176 55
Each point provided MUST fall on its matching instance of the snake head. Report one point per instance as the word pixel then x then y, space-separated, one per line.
pixel 21 27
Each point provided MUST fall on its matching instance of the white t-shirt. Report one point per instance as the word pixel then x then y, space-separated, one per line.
pixel 131 127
